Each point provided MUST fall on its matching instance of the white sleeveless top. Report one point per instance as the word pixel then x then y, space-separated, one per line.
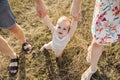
pixel 58 44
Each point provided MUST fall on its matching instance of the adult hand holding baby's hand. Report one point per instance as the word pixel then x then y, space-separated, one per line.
pixel 76 10
pixel 41 8
pixel 78 17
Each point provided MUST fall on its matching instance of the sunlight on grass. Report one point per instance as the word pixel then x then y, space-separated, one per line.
pixel 37 34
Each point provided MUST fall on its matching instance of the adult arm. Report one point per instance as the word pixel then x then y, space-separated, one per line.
pixel 41 8
pixel 42 13
pixel 76 8
pixel 76 13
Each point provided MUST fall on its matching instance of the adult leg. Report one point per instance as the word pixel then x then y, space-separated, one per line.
pixel 88 58
pixel 96 51
pixel 18 32
pixel 7 21
pixel 6 49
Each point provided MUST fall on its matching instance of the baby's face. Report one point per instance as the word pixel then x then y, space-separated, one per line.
pixel 62 29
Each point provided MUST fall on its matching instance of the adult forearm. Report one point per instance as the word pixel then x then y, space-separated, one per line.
pixel 41 8
pixel 38 1
pixel 76 7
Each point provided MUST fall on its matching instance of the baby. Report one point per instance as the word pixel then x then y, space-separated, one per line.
pixel 62 33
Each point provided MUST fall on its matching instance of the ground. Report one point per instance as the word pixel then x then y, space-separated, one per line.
pixel 42 65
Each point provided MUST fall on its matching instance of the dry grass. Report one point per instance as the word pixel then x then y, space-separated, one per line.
pixel 75 52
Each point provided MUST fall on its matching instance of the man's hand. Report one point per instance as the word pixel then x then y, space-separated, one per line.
pixel 41 8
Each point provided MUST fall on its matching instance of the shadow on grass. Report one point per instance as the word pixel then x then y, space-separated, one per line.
pixel 22 66
pixel 63 73
pixel 98 76
pixel 49 65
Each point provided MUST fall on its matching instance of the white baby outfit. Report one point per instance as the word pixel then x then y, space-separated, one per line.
pixel 58 44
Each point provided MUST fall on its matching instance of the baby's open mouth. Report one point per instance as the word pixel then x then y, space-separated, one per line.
pixel 60 33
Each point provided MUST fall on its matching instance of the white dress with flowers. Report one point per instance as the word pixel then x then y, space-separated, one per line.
pixel 106 21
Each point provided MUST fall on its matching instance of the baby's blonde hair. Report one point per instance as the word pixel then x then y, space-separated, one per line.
pixel 67 20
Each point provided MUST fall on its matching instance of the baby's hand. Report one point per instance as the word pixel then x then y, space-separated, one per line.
pixel 78 17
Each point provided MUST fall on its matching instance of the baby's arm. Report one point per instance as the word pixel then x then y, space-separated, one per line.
pixel 74 24
pixel 48 22
pixel 75 8
pixel 76 13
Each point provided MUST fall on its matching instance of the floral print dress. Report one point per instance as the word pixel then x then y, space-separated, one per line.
pixel 106 21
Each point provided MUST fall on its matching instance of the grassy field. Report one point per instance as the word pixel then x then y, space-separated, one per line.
pixel 40 66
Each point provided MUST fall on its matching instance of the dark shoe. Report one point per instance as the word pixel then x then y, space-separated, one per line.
pixel 26 47
pixel 13 68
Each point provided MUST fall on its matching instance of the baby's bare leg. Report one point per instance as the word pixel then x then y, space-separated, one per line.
pixel 59 59
pixel 58 54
